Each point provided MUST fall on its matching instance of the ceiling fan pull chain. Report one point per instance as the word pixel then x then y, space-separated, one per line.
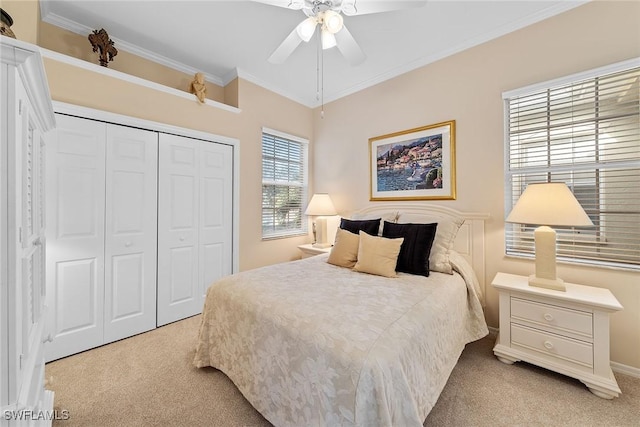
pixel 318 51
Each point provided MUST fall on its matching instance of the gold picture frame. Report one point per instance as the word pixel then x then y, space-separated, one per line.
pixel 415 164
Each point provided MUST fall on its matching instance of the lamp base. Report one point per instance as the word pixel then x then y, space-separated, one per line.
pixel 555 284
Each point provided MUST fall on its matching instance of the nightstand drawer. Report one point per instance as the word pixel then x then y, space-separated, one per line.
pixel 551 347
pixel 552 318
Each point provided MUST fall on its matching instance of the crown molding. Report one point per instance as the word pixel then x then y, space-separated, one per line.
pixel 67 24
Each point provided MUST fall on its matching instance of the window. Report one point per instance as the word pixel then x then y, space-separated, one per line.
pixel 583 130
pixel 284 184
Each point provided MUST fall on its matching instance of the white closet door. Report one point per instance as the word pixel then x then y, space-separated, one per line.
pixel 75 235
pixel 179 295
pixel 130 232
pixel 216 213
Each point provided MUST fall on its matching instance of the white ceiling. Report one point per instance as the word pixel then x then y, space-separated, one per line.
pixel 225 39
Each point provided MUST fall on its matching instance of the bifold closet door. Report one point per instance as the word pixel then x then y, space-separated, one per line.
pixel 101 233
pixel 130 232
pixel 194 223
pixel 75 235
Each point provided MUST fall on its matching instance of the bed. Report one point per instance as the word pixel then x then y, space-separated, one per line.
pixel 312 343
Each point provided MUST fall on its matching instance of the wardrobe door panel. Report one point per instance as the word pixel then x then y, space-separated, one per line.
pixel 216 213
pixel 178 219
pixel 75 235
pixel 130 232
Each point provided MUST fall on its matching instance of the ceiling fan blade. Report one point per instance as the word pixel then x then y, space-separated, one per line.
pixel 348 47
pixel 364 7
pixel 286 48
pixel 289 4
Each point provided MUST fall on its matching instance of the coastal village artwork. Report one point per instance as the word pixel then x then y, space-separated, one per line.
pixel 414 164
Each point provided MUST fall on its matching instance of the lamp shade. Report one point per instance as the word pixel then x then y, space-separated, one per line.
pixel 333 21
pixel 320 204
pixel 549 203
pixel 307 28
pixel 328 39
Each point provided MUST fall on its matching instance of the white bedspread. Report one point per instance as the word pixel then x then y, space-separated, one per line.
pixel 312 344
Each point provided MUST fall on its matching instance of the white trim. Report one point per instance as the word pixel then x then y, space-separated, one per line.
pixel 284 135
pixel 75 27
pixel 19 54
pixel 573 78
pixel 104 116
pixel 79 63
pixel 625 369
pixel 304 142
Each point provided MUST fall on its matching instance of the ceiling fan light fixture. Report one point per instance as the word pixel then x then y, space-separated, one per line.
pixel 296 4
pixel 328 39
pixel 333 21
pixel 348 7
pixel 307 28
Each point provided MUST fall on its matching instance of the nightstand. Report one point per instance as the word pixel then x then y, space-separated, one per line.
pixel 309 250
pixel 567 332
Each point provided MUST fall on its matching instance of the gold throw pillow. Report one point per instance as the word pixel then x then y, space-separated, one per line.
pixel 345 249
pixel 378 255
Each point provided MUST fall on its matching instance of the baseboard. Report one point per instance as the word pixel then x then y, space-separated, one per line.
pixel 625 369
pixel 615 366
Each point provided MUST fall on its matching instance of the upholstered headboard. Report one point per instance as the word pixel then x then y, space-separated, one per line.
pixel 469 241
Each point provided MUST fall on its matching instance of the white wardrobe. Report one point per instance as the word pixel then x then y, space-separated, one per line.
pixel 140 223
pixel 26 116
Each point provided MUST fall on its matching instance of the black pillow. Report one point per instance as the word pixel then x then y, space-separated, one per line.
pixel 369 226
pixel 416 247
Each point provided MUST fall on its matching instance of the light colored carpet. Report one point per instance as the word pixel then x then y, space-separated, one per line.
pixel 148 380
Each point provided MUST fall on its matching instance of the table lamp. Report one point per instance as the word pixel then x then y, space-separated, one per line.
pixel 545 204
pixel 320 206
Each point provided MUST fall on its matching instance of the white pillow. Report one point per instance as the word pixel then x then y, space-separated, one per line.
pixel 443 243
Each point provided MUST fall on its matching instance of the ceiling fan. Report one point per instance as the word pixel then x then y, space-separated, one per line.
pixel 327 16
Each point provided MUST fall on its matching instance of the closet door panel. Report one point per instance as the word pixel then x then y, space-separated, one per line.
pixel 216 211
pixel 130 232
pixel 75 235
pixel 178 219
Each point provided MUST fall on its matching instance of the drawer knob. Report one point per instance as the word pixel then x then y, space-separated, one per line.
pixel 548 317
pixel 548 345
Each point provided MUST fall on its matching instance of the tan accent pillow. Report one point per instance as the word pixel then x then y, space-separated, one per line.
pixel 378 255
pixel 345 249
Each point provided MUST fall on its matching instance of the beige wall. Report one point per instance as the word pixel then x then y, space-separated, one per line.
pixel 467 87
pixel 26 16
pixel 77 46
pixel 259 108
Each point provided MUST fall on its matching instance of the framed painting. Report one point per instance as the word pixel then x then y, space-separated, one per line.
pixel 415 164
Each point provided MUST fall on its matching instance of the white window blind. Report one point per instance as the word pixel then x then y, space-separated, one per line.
pixel 284 184
pixel 584 131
